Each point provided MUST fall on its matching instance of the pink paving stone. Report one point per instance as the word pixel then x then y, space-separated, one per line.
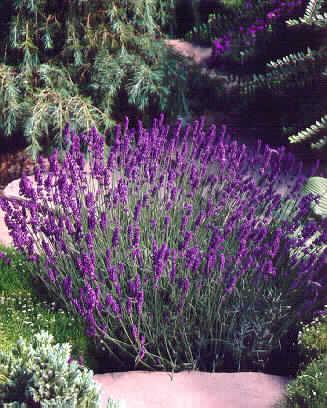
pixel 192 389
pixel 4 234
pixel 12 189
pixel 187 49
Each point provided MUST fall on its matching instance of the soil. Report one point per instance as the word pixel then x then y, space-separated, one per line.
pixel 13 165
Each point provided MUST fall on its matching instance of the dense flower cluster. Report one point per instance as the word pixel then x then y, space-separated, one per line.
pixel 169 243
pixel 247 35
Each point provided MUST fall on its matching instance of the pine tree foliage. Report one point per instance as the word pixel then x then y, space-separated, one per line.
pixel 311 132
pixel 53 109
pixel 313 15
pixel 294 70
pixel 65 60
pixel 9 99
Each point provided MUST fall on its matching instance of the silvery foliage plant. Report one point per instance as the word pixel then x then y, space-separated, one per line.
pixel 41 374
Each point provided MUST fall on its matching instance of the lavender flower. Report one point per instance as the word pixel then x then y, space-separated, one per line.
pixel 115 237
pixel 103 221
pixel 225 43
pixel 174 233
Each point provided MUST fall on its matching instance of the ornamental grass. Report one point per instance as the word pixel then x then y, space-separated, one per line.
pixel 179 247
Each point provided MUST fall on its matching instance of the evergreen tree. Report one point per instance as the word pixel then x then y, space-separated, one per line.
pixel 87 62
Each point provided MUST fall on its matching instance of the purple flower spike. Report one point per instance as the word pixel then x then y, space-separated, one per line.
pixel 113 305
pixel 173 223
pixel 135 332
pixel 67 285
pixel 103 221
pixel 115 237
pixel 137 210
pixel 137 236
pixel 89 201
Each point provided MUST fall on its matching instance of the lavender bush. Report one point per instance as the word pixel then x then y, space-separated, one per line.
pixel 244 41
pixel 179 247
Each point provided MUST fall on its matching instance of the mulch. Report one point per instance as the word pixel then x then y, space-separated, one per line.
pixel 13 165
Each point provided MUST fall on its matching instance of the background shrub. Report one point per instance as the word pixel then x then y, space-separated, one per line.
pixel 271 53
pixel 283 59
pixel 84 62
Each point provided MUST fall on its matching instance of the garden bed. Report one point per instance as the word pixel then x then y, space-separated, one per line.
pixel 153 245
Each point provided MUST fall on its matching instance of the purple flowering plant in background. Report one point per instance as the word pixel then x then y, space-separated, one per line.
pixel 244 40
pixel 177 246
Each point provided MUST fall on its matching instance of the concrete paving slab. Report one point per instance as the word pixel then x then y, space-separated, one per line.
pixel 192 389
pixel 5 238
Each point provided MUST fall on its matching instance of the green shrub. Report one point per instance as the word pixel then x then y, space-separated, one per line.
pixel 41 374
pixel 24 313
pixel 309 389
pixel 313 336
pixel 297 76
pixel 53 56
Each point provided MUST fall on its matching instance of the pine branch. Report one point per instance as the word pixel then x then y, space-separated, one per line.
pixel 297 58
pixel 293 70
pixel 312 15
pixel 9 99
pixel 53 110
pixel 311 132
pixel 64 50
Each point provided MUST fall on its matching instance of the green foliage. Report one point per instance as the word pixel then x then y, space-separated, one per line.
pixel 21 315
pixel 233 3
pixel 57 57
pixel 228 17
pixel 318 186
pixel 53 109
pixel 313 336
pixel 158 76
pixel 312 15
pixel 291 71
pixel 17 276
pixel 9 104
pixel 309 389
pixel 204 32
pixel 24 313
pixel 316 131
pixel 299 70
pixel 40 374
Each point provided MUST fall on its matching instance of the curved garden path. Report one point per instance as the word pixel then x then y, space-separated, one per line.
pixel 198 56
pixel 192 389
